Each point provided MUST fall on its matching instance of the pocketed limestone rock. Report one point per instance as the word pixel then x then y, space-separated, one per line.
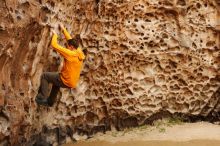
pixel 144 58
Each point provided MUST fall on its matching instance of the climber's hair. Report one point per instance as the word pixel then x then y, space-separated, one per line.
pixel 75 41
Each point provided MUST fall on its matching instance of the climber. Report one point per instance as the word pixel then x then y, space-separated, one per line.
pixel 70 73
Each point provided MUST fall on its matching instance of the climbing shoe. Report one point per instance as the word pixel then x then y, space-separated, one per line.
pixel 41 101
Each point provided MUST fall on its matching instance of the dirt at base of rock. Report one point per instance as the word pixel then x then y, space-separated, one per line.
pixel 184 134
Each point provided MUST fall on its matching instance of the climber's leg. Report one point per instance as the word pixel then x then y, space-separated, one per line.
pixel 46 78
pixel 55 89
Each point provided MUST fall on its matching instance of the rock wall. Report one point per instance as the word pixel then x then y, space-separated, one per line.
pixel 145 59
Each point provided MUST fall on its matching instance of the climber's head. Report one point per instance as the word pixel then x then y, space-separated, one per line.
pixel 74 43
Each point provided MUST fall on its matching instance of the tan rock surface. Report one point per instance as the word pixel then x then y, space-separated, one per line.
pixel 146 59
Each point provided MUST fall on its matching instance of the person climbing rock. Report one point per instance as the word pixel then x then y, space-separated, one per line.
pixel 70 73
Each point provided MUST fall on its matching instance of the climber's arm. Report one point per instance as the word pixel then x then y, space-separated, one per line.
pixel 66 53
pixel 65 32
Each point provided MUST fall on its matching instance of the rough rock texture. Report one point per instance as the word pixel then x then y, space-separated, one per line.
pixel 146 59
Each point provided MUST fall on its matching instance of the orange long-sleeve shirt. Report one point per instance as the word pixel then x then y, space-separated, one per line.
pixel 73 61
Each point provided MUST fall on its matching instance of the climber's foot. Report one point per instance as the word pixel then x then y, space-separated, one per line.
pixel 41 101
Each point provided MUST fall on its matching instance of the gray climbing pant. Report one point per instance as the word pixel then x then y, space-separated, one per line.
pixel 55 80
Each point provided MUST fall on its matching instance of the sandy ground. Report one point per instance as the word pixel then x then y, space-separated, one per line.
pixel 162 134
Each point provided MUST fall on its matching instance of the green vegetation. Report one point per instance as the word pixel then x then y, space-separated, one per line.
pixel 162 130
pixel 160 125
pixel 168 122
pixel 143 127
pixel 175 121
